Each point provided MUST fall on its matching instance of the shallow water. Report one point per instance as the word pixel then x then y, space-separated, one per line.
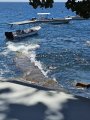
pixel 61 52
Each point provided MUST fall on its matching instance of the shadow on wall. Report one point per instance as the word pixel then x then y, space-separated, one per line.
pixel 22 112
pixel 34 104
pixel 5 90
pixel 71 110
pixel 78 109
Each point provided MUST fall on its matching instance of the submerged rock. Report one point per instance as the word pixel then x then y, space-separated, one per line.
pixel 83 85
pixel 32 74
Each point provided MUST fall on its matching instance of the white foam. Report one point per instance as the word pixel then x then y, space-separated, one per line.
pixel 5 52
pixel 37 63
pixel 28 50
pixel 5 70
pixel 54 79
pixel 88 43
pixel 21 47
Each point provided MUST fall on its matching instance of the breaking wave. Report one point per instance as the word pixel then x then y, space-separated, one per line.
pixel 29 51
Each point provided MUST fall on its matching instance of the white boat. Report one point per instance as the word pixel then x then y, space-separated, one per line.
pixel 76 17
pixel 44 18
pixel 22 33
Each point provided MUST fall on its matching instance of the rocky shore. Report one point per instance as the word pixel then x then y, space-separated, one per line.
pixel 32 74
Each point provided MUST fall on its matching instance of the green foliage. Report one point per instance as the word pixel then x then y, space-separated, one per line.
pixel 82 8
pixel 41 3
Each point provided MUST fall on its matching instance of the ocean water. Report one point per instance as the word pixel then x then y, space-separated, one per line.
pixel 61 52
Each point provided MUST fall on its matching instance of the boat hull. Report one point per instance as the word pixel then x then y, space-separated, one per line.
pixel 44 18
pixel 76 18
pixel 59 22
pixel 53 21
pixel 22 33
pixel 26 35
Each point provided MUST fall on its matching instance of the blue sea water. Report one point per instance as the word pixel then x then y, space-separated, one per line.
pixel 62 50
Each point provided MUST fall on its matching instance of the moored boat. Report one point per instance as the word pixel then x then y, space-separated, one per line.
pixel 21 33
pixel 44 18
pixel 76 17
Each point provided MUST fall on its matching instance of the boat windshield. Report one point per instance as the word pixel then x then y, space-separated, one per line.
pixel 42 16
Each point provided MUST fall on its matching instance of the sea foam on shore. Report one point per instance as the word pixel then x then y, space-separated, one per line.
pixel 25 60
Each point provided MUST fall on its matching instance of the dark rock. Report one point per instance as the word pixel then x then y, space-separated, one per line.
pixel 83 85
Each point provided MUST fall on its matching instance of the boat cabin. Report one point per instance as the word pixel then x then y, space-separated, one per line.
pixel 43 16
